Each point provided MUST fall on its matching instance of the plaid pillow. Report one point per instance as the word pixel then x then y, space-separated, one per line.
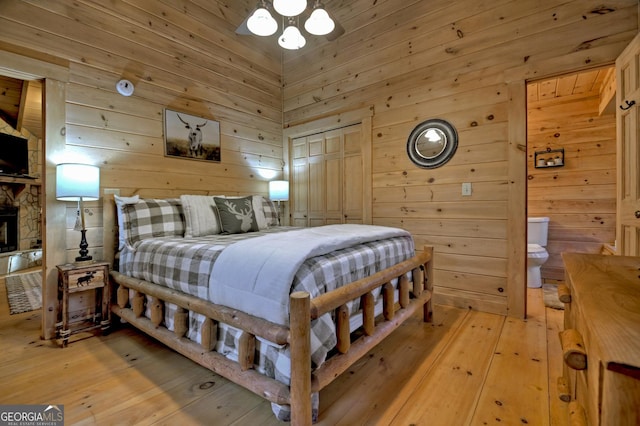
pixel 152 218
pixel 120 202
pixel 270 211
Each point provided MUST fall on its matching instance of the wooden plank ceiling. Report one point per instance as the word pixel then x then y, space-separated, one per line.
pixel 587 82
pixel 10 95
pixel 21 104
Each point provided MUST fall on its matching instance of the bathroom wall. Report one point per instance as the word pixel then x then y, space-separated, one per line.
pixel 579 197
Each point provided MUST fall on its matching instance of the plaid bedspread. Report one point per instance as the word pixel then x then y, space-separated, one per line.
pixel 185 264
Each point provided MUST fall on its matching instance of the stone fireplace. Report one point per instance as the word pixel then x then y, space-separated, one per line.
pixel 8 229
pixel 19 218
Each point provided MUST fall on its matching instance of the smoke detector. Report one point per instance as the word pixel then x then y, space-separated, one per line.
pixel 124 87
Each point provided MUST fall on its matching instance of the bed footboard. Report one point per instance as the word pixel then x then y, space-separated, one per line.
pixel 303 310
pixel 398 305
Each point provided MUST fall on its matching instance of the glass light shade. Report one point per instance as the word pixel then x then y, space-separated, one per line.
pixel 289 7
pixel 74 181
pixel 319 23
pixel 279 190
pixel 261 23
pixel 291 38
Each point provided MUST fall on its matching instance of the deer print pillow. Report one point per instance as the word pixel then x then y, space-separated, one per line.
pixel 236 215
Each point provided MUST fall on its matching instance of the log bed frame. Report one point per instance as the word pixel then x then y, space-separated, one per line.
pixel 411 297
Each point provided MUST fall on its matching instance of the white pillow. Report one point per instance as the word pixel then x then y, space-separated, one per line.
pixel 200 215
pixel 258 211
pixel 120 202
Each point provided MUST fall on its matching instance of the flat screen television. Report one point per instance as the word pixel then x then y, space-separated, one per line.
pixel 14 155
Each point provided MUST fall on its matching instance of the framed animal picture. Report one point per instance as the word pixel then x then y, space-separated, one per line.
pixel 191 137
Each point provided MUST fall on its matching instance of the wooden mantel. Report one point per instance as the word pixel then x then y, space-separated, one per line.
pixel 18 184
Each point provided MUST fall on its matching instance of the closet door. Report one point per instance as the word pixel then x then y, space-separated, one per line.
pixel 316 190
pixel 299 182
pixel 353 175
pixel 327 178
pixel 333 180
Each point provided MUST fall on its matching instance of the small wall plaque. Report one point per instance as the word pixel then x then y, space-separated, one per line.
pixel 549 158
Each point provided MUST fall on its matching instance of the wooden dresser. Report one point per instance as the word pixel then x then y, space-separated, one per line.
pixel 601 340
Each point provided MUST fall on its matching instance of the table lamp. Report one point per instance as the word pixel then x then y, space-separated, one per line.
pixel 279 191
pixel 78 182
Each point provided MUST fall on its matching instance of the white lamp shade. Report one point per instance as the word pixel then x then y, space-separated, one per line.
pixel 261 23
pixel 289 7
pixel 319 23
pixel 74 181
pixel 291 38
pixel 279 190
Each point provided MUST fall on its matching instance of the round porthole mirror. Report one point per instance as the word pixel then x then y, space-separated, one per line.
pixel 432 143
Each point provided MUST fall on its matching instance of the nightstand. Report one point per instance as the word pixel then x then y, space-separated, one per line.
pixel 83 295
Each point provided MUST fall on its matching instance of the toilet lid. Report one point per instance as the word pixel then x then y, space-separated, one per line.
pixel 535 248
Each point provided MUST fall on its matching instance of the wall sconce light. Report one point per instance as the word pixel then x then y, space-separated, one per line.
pixel 78 182
pixel 279 191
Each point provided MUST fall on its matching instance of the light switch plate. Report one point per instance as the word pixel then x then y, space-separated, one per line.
pixel 466 189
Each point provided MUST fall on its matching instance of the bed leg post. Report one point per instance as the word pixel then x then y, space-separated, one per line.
pixel 300 335
pixel 428 285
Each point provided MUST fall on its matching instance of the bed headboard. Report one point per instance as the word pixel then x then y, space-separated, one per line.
pixel 109 227
pixel 109 213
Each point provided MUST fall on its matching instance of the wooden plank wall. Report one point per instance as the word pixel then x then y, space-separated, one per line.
pixel 411 60
pixel 180 55
pixel 414 60
pixel 580 197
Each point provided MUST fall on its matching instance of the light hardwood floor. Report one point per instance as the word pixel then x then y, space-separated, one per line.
pixel 467 368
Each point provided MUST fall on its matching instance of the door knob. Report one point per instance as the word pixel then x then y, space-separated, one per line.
pixel 637 214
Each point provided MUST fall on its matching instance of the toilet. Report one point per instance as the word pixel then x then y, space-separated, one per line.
pixel 537 230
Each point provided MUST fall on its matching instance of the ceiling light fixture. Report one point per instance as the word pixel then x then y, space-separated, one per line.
pixel 262 23
pixel 319 23
pixel 289 7
pixel 291 37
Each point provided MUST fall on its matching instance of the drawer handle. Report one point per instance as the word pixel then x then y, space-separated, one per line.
pixel 573 351
pixel 564 294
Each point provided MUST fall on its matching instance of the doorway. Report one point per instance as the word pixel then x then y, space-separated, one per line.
pixel 571 163
pixel 21 161
pixel 54 77
pixel 21 196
